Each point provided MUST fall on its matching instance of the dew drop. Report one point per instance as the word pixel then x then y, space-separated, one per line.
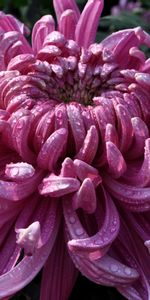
pixel 112 229
pixel 72 220
pixel 114 268
pixel 127 271
pixel 14 171
pixel 79 231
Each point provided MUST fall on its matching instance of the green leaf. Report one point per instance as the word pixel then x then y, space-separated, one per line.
pixel 123 21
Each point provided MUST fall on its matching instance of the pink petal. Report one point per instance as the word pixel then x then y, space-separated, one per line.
pixel 57 186
pixel 67 24
pixel 95 246
pixel 57 269
pixel 140 134
pixel 19 171
pixel 68 168
pixel 20 138
pixel 9 253
pixel 142 176
pixel 9 23
pixel 26 270
pixel 41 29
pixel 29 238
pixel 125 128
pixel 52 149
pixel 77 125
pixel 85 170
pixel 61 6
pixel 17 191
pixel 133 198
pixel 21 62
pixel 116 162
pixel 106 270
pixel 88 150
pixel 88 23
pixel 85 197
pixel 44 129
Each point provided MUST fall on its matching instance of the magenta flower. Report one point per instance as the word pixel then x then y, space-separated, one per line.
pixel 74 155
pixel 125 6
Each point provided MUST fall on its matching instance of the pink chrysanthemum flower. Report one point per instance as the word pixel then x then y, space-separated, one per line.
pixel 74 155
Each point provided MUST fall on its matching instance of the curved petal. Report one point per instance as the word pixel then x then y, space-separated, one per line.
pixel 125 128
pixel 88 23
pixel 41 29
pixel 59 273
pixel 88 150
pixel 77 125
pixel 52 149
pixel 67 24
pixel 26 270
pixel 44 129
pixel 84 170
pixel 140 134
pixel 85 197
pixel 134 198
pixel 57 186
pixel 10 252
pixel 21 62
pixel 19 171
pixel 61 6
pixel 17 191
pixel 10 23
pixel 96 245
pixel 118 44
pixel 105 271
pixel 141 177
pixel 116 162
pixel 20 138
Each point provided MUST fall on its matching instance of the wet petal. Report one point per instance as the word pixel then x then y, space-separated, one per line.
pixel 67 23
pixel 85 170
pixel 85 197
pixel 77 125
pixel 14 191
pixel 19 171
pixel 40 30
pixel 116 162
pixel 28 238
pixel 68 168
pixel 52 149
pixel 105 271
pixel 57 186
pixel 88 23
pixel 88 150
pixel 26 270
pixel 141 177
pixel 97 245
pixel 133 198
pixel 60 7
pixel 57 268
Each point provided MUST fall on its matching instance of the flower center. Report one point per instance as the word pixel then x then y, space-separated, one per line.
pixel 76 74
pixel 62 71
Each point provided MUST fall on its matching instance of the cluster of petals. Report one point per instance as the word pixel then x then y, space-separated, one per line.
pixel 74 155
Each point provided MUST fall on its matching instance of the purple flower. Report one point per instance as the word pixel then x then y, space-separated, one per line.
pixel 74 155
pixel 125 6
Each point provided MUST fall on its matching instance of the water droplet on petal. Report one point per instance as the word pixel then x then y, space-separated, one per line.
pixel 127 271
pixel 72 220
pixel 79 231
pixel 114 268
